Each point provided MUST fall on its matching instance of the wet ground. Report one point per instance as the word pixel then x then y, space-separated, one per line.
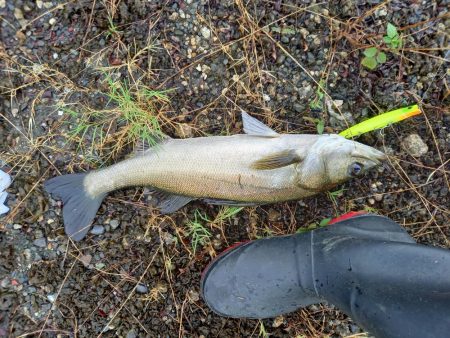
pixel 138 273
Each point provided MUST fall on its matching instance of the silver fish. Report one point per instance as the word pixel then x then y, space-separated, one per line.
pixel 258 167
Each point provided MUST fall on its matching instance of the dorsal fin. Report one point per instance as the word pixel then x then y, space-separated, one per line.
pixel 277 160
pixel 256 128
pixel 143 145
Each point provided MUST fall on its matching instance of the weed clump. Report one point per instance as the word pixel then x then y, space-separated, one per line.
pixel 133 116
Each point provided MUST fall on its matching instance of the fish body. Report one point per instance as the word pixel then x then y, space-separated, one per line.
pixel 209 167
pixel 254 168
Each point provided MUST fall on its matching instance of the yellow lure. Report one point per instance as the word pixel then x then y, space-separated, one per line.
pixel 381 121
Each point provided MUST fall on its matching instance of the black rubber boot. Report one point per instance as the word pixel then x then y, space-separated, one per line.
pixel 367 266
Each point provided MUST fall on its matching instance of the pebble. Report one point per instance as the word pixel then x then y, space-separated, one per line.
pixel 205 32
pixel 17 226
pixel 98 230
pixel 273 215
pixel 378 197
pixel 40 242
pixel 131 334
pixel 114 223
pixel 52 21
pixel 99 266
pixel 86 260
pixel 184 130
pixel 277 322
pixel 414 145
pixel 18 13
pixel 51 297
pixel 371 201
pixel 298 108
pixel 193 296
pixel 141 288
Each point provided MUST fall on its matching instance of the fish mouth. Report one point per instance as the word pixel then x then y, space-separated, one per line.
pixel 370 154
pixel 373 156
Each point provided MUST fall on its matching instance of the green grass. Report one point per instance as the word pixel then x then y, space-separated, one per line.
pixel 131 102
pixel 333 195
pixel 226 213
pixel 317 102
pixel 132 115
pixel 197 232
pixel 262 330
pixel 113 30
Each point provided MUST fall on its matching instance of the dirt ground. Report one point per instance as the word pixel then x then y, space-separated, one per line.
pixel 138 274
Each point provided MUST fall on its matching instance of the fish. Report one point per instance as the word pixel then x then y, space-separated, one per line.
pixel 258 167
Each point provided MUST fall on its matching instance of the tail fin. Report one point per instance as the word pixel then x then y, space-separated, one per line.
pixel 79 208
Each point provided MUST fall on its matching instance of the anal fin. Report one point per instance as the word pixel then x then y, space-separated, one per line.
pixel 169 203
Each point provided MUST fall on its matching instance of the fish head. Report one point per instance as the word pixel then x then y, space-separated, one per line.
pixel 333 160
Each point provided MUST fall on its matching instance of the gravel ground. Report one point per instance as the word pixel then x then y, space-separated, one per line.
pixel 136 274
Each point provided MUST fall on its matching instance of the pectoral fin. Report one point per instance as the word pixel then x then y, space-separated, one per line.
pixel 277 160
pixel 256 128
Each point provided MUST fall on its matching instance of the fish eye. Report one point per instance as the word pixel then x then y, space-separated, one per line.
pixel 355 169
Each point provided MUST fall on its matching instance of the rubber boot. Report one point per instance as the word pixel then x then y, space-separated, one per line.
pixel 366 265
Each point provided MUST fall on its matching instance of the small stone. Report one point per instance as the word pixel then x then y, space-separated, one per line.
pixel 304 32
pixel 18 14
pixel 60 112
pixel 114 223
pixel 205 32
pixel 2 3
pixel 381 12
pixel 184 130
pixel 55 56
pixel 378 197
pixel 98 230
pixel 371 201
pixel 86 260
pixel 193 296
pixel 40 242
pixel 52 21
pixel 51 297
pixel 338 103
pixel 141 288
pixel 298 107
pixel 273 215
pixel 266 97
pixel 39 4
pixel 17 226
pixel 99 266
pixel 173 16
pixel 414 145
pixel 278 321
pixel 131 334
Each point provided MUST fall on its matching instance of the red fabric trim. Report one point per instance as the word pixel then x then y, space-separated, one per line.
pixel 346 216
